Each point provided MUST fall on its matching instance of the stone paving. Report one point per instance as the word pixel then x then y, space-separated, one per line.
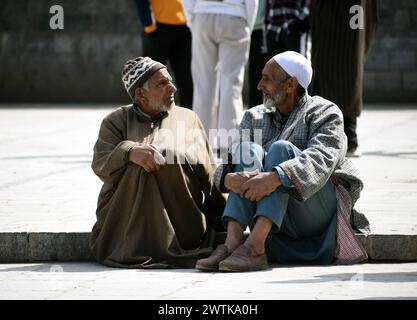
pixel 92 281
pixel 388 166
pixel 46 184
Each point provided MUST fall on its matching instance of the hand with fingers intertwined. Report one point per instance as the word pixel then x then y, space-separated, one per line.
pixel 252 185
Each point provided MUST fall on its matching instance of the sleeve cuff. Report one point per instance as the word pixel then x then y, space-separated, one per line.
pixel 150 29
pixel 125 147
pixel 286 182
pixel 226 169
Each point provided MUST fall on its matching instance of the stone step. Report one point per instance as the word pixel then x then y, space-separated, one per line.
pixel 44 246
pixel 74 246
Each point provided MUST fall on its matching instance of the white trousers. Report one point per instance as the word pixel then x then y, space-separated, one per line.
pixel 220 49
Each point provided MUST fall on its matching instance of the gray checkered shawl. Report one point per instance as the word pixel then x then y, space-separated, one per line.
pixel 315 126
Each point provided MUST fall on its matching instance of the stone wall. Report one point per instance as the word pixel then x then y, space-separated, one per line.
pixel 391 67
pixel 83 62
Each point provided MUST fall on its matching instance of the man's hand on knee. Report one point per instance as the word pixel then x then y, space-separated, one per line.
pixel 147 156
pixel 234 181
pixel 261 185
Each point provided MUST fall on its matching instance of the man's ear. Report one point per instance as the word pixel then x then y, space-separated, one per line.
pixel 292 84
pixel 138 93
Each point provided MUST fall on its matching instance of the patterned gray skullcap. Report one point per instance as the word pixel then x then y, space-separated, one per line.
pixel 137 71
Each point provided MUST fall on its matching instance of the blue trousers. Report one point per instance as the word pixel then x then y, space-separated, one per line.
pixel 302 232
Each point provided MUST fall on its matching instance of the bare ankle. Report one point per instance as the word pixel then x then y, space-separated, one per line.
pixel 255 249
pixel 233 243
pixel 235 235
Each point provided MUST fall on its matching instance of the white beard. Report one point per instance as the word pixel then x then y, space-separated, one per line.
pixel 170 106
pixel 161 108
pixel 271 103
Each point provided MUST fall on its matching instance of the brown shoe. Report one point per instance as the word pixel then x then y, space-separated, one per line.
pixel 212 263
pixel 242 260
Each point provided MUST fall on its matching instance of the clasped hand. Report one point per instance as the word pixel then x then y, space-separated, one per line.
pixel 252 185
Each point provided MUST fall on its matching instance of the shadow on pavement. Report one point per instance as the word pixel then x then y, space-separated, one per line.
pixel 59 267
pixel 83 267
pixel 358 277
pixel 405 154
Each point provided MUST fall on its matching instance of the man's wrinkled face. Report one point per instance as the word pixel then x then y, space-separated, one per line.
pixel 272 86
pixel 160 96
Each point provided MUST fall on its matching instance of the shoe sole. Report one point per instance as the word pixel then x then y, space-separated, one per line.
pixel 227 269
pixel 206 269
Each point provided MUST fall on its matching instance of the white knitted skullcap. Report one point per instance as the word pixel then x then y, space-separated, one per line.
pixel 296 65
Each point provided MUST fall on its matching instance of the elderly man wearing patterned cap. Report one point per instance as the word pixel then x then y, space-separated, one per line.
pixel 158 206
pixel 288 179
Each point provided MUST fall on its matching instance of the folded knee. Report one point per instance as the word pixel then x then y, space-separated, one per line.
pixel 248 147
pixel 281 146
pixel 249 155
pixel 278 152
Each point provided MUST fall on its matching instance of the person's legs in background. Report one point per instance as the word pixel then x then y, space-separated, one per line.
pixel 204 71
pixel 156 44
pixel 180 60
pixel 285 42
pixel 257 60
pixel 350 125
pixel 234 40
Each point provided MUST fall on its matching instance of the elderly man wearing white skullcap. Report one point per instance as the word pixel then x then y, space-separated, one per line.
pixel 288 180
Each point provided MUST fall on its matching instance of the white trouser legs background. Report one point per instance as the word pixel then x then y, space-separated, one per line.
pixel 219 53
pixel 204 67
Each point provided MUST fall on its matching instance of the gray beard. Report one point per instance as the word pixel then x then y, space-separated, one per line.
pixel 163 108
pixel 271 103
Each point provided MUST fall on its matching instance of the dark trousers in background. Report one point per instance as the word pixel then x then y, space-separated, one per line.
pixel 173 43
pixel 286 42
pixel 257 60
pixel 350 125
